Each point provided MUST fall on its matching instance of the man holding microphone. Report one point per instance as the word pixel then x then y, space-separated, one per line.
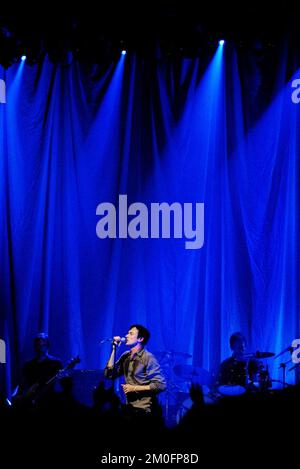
pixel 141 370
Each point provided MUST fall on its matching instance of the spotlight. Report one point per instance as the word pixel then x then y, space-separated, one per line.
pixel 221 42
pixel 124 52
pixel 23 58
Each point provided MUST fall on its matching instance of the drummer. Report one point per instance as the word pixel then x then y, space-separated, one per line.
pixel 238 369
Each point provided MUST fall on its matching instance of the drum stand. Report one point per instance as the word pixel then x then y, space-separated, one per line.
pixel 283 366
pixel 171 390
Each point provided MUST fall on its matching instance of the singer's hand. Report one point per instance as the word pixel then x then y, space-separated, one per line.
pixel 117 340
pixel 128 388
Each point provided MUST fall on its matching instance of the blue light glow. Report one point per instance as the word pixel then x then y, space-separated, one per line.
pixel 221 42
pixel 124 52
pixel 176 132
pixel 23 57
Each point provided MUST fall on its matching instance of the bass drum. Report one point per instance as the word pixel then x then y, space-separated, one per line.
pixel 231 390
pixel 277 385
pixel 187 404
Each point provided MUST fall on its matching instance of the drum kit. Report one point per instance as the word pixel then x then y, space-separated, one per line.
pixel 176 400
pixel 179 375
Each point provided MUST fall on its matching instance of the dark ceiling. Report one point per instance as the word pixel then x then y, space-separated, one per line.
pixel 91 33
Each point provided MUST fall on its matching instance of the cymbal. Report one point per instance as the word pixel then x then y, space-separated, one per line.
pixel 264 354
pixel 169 354
pixel 258 355
pixel 193 373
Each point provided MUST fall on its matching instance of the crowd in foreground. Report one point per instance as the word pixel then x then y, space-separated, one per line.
pixel 63 432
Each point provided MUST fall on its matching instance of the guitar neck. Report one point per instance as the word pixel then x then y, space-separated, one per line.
pixel 58 375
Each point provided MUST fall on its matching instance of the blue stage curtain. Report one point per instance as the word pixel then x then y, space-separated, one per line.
pixel 220 130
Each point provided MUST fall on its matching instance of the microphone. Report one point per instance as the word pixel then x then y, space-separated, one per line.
pixel 118 339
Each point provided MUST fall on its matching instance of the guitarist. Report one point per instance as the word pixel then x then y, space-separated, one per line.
pixel 39 370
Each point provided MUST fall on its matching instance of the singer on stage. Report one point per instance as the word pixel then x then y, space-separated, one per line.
pixel 142 372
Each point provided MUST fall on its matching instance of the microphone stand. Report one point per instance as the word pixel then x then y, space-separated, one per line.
pixel 114 367
pixel 283 366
